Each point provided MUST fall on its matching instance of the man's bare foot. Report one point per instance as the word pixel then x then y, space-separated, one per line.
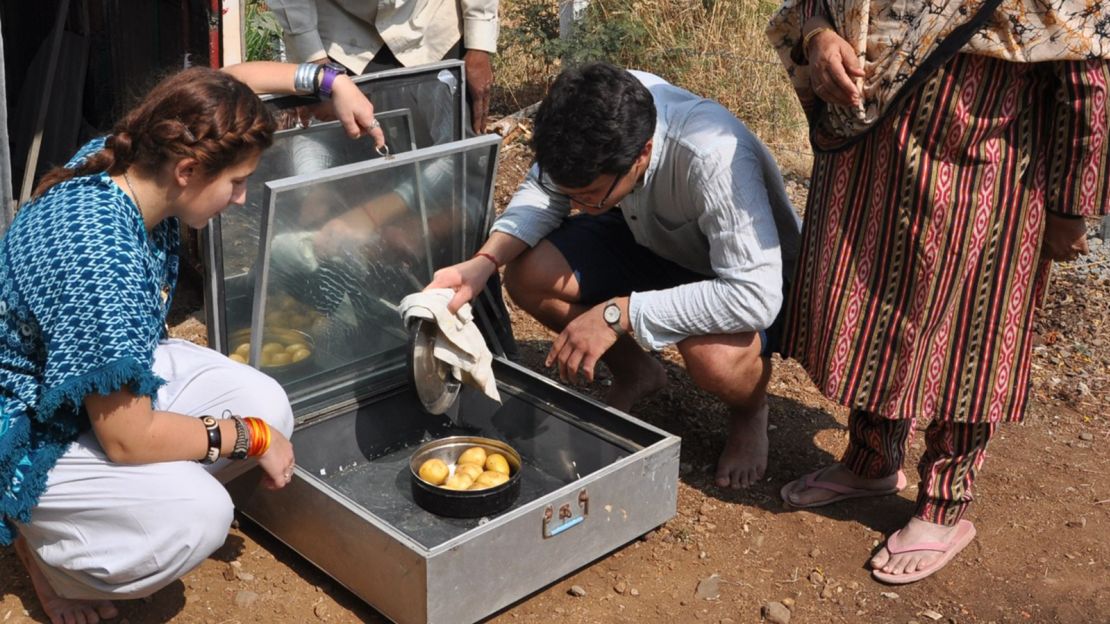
pixel 62 610
pixel 907 560
pixel 797 493
pixel 637 380
pixel 744 459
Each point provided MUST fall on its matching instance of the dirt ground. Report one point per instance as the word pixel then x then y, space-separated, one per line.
pixel 1042 511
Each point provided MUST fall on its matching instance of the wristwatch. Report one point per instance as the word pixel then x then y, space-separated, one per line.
pixel 612 315
pixel 328 73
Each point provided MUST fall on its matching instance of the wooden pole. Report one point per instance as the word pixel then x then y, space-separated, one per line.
pixel 31 166
pixel 570 12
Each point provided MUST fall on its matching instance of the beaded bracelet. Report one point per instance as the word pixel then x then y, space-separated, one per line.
pixel 242 439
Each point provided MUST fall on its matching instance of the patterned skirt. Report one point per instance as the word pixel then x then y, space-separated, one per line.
pixel 920 268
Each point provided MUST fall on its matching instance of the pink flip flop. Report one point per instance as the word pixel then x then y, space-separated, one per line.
pixel 843 492
pixel 965 532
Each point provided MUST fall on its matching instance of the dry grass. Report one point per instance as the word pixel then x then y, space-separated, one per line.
pixel 715 48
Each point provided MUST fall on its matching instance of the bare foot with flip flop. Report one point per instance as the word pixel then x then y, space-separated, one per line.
pixel 910 554
pixel 919 549
pixel 836 483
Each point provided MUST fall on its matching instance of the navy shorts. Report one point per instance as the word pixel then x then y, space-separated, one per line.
pixel 608 262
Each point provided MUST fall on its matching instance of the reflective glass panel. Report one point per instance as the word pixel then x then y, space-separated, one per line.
pixel 418 107
pixel 294 152
pixel 345 245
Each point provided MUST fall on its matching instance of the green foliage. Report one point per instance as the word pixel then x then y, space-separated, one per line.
pixel 599 35
pixel 262 33
pixel 534 33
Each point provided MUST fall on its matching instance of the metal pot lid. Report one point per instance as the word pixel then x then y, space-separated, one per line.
pixel 432 378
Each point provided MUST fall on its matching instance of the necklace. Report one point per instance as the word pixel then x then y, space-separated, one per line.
pixel 134 195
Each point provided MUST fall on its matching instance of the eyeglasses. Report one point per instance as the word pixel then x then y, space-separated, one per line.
pixel 585 204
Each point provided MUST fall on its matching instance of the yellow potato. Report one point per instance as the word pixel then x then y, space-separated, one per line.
pixel 473 455
pixel 280 359
pixel 295 346
pixel 433 471
pixel 497 463
pixel 272 347
pixel 237 358
pixel 458 482
pixel 300 354
pixel 490 479
pixel 244 349
pixel 470 470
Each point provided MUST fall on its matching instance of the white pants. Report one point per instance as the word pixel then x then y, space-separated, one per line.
pixel 110 531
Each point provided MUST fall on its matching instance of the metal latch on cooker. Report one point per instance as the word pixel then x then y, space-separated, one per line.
pixel 557 520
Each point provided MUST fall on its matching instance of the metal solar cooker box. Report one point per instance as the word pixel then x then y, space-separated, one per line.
pixel 337 250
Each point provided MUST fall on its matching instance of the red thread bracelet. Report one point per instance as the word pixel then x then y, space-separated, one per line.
pixel 488 256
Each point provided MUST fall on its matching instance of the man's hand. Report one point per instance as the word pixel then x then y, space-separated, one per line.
pixel 1064 239
pixel 467 279
pixel 833 66
pixel 581 345
pixel 479 82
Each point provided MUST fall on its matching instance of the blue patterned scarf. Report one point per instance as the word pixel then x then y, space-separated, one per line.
pixel 84 291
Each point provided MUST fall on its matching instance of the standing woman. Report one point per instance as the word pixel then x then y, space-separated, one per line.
pixel 111 432
pixel 958 146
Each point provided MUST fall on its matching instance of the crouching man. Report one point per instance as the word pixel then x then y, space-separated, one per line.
pixel 682 235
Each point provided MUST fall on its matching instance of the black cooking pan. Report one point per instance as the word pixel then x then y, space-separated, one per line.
pixel 464 503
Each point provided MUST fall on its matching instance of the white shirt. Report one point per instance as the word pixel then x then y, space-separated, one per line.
pixel 353 31
pixel 711 200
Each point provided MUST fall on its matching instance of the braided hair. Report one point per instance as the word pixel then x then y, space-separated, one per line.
pixel 198 113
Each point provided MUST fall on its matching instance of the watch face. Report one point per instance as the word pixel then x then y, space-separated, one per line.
pixel 612 313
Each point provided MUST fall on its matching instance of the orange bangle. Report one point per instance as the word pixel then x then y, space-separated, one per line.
pixel 488 256
pixel 260 436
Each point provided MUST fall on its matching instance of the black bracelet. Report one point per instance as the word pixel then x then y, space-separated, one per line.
pixel 212 427
pixel 242 439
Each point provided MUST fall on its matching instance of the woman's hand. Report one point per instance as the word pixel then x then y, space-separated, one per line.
pixel 277 462
pixel 355 112
pixel 467 279
pixel 1065 239
pixel 833 68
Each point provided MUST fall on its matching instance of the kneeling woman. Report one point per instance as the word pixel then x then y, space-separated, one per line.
pixel 111 433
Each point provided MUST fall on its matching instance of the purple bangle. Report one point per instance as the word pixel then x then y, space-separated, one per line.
pixel 326 83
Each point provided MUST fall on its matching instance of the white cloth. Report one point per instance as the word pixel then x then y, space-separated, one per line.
pixel 416 31
pixel 712 200
pixel 111 531
pixel 458 342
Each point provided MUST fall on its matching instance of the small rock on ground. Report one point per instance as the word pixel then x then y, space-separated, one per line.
pixel 577 591
pixel 709 588
pixel 775 613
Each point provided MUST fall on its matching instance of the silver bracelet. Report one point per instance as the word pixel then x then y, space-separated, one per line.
pixel 305 78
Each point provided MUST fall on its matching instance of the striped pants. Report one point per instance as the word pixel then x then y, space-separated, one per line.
pixel 954 452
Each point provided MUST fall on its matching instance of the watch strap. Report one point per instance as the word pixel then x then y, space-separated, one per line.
pixel 615 325
pixel 327 80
